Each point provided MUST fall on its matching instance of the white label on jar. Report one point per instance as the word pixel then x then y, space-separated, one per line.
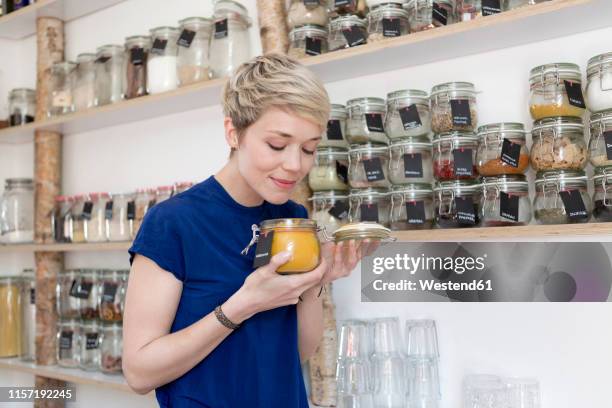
pixel 62 99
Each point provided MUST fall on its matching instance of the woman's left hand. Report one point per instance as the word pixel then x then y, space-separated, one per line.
pixel 344 257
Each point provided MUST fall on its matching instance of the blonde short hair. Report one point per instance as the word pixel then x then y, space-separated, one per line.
pixel 274 80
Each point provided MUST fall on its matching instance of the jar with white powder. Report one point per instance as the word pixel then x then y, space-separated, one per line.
pixel 230 44
pixel 110 74
pixel 194 42
pixel 162 75
pixel 84 93
pixel 599 83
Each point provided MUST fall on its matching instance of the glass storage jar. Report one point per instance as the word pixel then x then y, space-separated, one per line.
pixel 410 161
pixel 513 4
pixel 457 203
pixel 307 12
pixel 505 201
pixel 230 45
pixel 68 348
pixel 28 315
pixel 427 14
pixel 78 209
pixel 369 166
pixel 408 114
pixel 346 32
pixel 61 219
pixel 307 40
pixel 600 137
pixel 330 170
pixel 86 291
pixel 454 156
pixel 111 347
pixel 112 287
pixel 335 136
pixel 562 198
pixel 502 149
pixel 144 200
pixel 370 205
pixel 181 187
pixel 297 236
pixel 162 73
pixel 94 217
pixel 453 107
pixel 342 7
pixel 411 207
pixel 22 106
pixel 10 313
pixel 556 90
pixel 67 287
pixel 387 21
pixel 89 359
pixel 59 100
pixel 330 209
pixel 558 144
pixel 467 10
pixel 137 49
pixel 84 93
pixel 193 46
pixel 602 194
pixel 599 82
pixel 17 211
pixel 110 74
pixel 117 217
pixel 366 118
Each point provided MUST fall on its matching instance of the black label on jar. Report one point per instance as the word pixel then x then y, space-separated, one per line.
pixel 511 153
pixel 159 45
pixel 373 169
pixel 81 290
pixel 65 341
pixel 462 162
pixel 574 206
pixel 369 212
pixel 460 109
pixel 137 56
pixel 19 119
pixel 263 250
pixel 608 141
pixel 466 213
pixel 413 165
pixel 33 296
pixel 87 208
pixel 103 59
pixel 374 121
pixel 108 210
pixel 491 7
pixel 415 212
pixel 410 117
pixel 131 210
pixel 391 27
pixel 339 210
pixel 313 46
pixel 186 38
pixel 440 14
pixel 354 36
pixel 109 291
pixel 509 206
pixel 91 341
pixel 338 3
pixel 342 172
pixel 334 131
pixel 152 203
pixel 221 29
pixel 574 94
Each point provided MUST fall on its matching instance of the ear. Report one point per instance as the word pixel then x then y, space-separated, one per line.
pixel 231 134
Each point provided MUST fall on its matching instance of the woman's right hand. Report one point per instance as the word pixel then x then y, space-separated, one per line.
pixel 266 289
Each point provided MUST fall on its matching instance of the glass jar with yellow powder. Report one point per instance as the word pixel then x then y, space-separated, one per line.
pixel 10 316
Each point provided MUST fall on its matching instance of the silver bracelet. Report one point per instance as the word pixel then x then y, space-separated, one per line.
pixel 224 320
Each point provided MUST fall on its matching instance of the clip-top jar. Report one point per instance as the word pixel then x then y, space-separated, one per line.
pixel 193 48
pixel 505 201
pixel 137 52
pixel 369 166
pixel 558 144
pixel 467 10
pixel 600 136
pixel 330 170
pixel 230 45
pixel 366 120
pixel 410 161
pixel 335 134
pixel 454 156
pixel 599 82
pixel 411 207
pixel 408 114
pixel 162 74
pixel 602 194
pixel 453 107
pixel 427 14
pixel 110 74
pixel 346 32
pixel 370 205
pixel 297 236
pixel 556 90
pixel 457 203
pixel 22 106
pixel 387 21
pixel 307 12
pixel 308 40
pixel 330 209
pixel 562 198
pixel 502 149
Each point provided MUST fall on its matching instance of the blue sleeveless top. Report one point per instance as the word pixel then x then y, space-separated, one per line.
pixel 197 236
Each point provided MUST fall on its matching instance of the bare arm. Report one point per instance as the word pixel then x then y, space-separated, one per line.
pixel 310 322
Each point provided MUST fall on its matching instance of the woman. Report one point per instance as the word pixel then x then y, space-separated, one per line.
pixel 201 326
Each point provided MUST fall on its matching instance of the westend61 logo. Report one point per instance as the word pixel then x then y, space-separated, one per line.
pixel 411 264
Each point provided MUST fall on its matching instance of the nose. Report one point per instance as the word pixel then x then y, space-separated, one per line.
pixel 293 160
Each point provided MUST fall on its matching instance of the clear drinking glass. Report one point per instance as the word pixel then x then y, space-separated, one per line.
pixel 353 341
pixel 385 337
pixel 522 393
pixel 422 339
pixel 423 379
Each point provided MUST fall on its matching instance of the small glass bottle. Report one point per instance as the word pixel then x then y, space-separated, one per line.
pixel 68 343
pixel 110 74
pixel 59 101
pixel 22 106
pixel 162 74
pixel 137 50
pixel 84 94
pixel 89 346
pixel 193 48
pixel 111 347
pixel 230 44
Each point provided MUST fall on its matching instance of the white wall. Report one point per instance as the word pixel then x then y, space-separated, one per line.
pixel 565 345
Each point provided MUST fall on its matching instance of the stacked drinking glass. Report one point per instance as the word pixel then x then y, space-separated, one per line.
pixel 422 364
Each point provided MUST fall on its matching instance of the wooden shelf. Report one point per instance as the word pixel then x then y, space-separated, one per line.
pixel 22 23
pixel 520 26
pixel 91 247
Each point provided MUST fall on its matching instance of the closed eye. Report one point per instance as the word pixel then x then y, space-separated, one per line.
pixel 309 152
pixel 277 148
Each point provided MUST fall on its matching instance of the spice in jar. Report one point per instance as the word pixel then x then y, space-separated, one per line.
pixel 454 156
pixel 602 195
pixel 408 114
pixel 112 289
pixel 308 40
pixel 502 149
pixel 556 90
pixel 387 21
pixel 558 144
pixel 453 107
pixel 600 139
pixel 428 14
pixel 410 161
pixel 307 12
pixel 561 197
pixel 330 170
pixel 22 106
pixel 193 46
pixel 162 73
pixel 369 166
pixel 366 121
pixel 78 232
pixel 137 49
pixel 111 347
pixel 457 204
pixel 347 32
pixel 599 84
pixel 330 209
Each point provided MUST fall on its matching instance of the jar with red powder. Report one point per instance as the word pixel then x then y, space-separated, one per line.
pixel 454 156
